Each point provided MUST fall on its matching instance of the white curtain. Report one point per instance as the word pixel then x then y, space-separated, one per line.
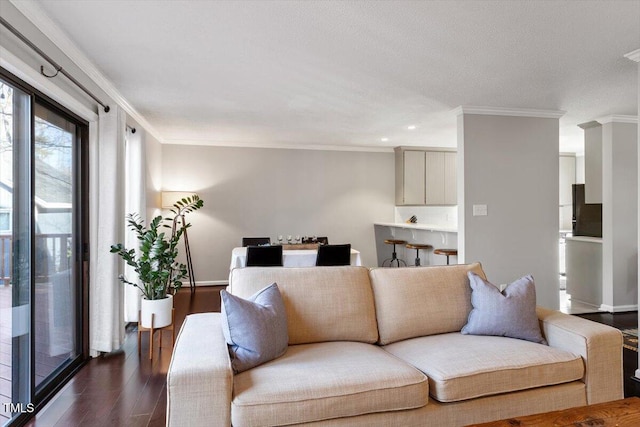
pixel 106 321
pixel 135 185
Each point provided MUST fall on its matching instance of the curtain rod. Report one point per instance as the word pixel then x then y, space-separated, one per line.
pixel 58 68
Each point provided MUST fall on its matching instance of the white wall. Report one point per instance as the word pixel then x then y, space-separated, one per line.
pixel 619 216
pixel 153 151
pixel 25 54
pixel 592 162
pixel 267 192
pixel 511 165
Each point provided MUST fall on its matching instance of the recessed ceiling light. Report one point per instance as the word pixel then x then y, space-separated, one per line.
pixel 411 127
pixel 385 139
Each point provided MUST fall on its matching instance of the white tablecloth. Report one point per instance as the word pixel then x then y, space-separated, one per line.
pixel 290 258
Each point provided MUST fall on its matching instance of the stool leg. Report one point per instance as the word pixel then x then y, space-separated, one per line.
pixel 394 256
pixel 417 257
pixel 447 259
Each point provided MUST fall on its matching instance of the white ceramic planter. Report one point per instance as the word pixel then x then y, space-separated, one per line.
pixel 161 309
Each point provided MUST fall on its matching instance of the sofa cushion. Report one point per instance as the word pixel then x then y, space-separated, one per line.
pixel 510 313
pixel 322 304
pixel 414 302
pixel 462 367
pixel 255 328
pixel 313 382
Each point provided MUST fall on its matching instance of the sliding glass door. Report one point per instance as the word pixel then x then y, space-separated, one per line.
pixel 42 243
pixel 15 290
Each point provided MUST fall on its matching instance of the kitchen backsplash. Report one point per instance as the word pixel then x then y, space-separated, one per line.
pixel 440 215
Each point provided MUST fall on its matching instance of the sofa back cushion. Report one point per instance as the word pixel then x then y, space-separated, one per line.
pixel 322 303
pixel 416 302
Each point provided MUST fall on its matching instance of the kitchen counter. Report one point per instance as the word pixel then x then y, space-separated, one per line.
pixel 583 260
pixel 587 239
pixel 438 236
pixel 420 226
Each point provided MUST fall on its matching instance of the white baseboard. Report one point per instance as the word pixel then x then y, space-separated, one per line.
pixel 208 283
pixel 618 308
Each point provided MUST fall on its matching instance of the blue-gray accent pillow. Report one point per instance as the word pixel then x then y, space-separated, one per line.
pixel 510 313
pixel 255 328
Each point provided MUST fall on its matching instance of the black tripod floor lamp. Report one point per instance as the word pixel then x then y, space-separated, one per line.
pixel 181 203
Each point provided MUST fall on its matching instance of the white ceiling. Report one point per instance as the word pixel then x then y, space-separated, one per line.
pixel 349 73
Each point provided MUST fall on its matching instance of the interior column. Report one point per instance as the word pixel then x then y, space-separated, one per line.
pixel 508 178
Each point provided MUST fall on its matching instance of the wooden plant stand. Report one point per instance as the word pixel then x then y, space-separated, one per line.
pixel 153 330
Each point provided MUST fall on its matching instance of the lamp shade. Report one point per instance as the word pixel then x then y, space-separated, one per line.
pixel 170 197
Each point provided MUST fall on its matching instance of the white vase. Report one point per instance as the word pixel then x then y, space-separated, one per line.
pixel 161 309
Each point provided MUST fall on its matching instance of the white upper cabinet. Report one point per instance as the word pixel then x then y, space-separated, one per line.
pixel 450 178
pixel 425 177
pixel 434 183
pixel 567 179
pixel 413 178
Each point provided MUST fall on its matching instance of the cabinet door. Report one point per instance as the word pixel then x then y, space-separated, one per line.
pixel 450 179
pixel 414 177
pixel 567 178
pixel 434 190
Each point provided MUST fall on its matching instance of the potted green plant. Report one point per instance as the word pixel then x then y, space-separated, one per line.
pixel 155 263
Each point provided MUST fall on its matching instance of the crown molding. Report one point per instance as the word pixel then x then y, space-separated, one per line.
pixel 34 13
pixel 591 124
pixel 282 146
pixel 617 119
pixel 634 56
pixel 514 112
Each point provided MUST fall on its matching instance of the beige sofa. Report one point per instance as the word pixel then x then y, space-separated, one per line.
pixel 383 347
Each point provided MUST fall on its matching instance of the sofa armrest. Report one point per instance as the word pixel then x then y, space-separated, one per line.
pixel 599 345
pixel 200 378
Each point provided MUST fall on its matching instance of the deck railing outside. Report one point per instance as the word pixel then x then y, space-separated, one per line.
pixel 52 255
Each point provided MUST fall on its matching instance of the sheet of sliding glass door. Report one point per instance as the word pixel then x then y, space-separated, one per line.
pixel 16 214
pixel 55 243
pixel 42 200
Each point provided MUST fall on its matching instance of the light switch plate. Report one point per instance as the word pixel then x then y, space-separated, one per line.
pixel 479 210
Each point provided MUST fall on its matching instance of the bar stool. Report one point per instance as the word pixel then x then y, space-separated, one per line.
pixel 394 255
pixel 447 252
pixel 417 247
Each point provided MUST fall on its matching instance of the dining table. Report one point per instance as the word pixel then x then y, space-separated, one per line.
pixel 305 256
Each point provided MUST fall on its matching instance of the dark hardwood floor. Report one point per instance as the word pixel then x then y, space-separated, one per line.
pixel 629 357
pixel 122 389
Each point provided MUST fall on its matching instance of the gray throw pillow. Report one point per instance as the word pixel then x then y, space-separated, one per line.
pixel 255 328
pixel 510 313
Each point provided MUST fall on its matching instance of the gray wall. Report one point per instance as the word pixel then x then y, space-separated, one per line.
pixel 619 216
pixel 267 192
pixel 511 165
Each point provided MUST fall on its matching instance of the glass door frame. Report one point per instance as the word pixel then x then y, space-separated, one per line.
pixel 80 219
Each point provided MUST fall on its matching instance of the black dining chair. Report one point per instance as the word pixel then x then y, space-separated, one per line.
pixel 333 255
pixel 264 256
pixel 255 241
